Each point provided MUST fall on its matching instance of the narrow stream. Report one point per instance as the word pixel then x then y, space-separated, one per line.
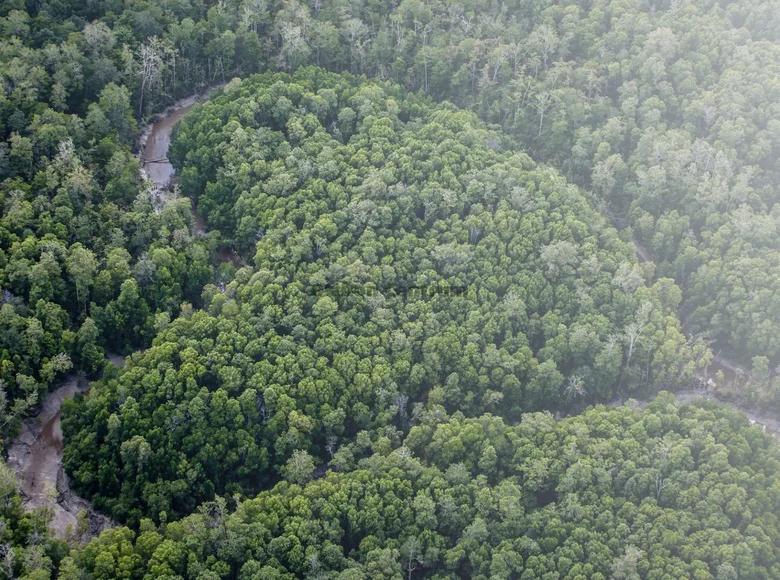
pixel 36 454
pixel 157 138
pixel 154 142
pixel 155 150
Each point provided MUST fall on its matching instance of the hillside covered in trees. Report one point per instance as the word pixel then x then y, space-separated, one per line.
pixel 665 111
pixel 396 253
pixel 431 211
pixel 667 492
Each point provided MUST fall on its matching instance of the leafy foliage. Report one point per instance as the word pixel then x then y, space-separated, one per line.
pixel 382 272
pixel 665 110
pixel 90 255
pixel 399 254
pixel 27 549
pixel 668 491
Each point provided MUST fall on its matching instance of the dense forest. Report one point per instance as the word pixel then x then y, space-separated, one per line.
pixel 666 492
pixel 433 212
pixel 393 258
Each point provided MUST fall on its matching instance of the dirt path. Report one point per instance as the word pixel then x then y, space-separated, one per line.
pixel 36 455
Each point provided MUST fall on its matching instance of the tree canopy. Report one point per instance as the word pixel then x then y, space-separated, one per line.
pixel 423 221
pixel 398 253
pixel 663 492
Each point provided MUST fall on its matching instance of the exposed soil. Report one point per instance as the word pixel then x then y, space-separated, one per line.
pixel 37 452
pixel 153 147
pixel 230 255
pixel 36 455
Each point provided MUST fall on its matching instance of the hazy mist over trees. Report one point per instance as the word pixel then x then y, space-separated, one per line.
pixel 410 250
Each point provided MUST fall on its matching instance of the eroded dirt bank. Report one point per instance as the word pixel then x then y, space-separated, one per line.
pixel 36 455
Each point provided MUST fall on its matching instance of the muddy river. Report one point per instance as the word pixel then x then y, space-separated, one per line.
pixel 733 381
pixel 157 141
pixel 36 455
pixel 153 145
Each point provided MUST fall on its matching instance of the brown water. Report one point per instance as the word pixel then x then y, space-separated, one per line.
pixel 155 151
pixel 727 392
pixel 36 455
pixel 229 255
pixel 734 379
pixel 160 171
pixel 154 154
pixel 116 359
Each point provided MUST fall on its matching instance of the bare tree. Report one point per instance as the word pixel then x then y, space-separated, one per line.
pixel 633 332
pixel 7 560
pixel 253 12
pixel 150 69
pixel 664 452
pixel 474 233
pixel 575 387
pixel 354 31
pixel 546 41
pixel 331 445
pixel 265 412
pixel 404 453
pixel 299 467
pixel 542 102
pixel 411 552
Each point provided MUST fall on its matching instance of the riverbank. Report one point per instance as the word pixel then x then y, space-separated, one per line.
pixel 36 455
pixel 153 147
pixel 153 152
pixel 167 119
